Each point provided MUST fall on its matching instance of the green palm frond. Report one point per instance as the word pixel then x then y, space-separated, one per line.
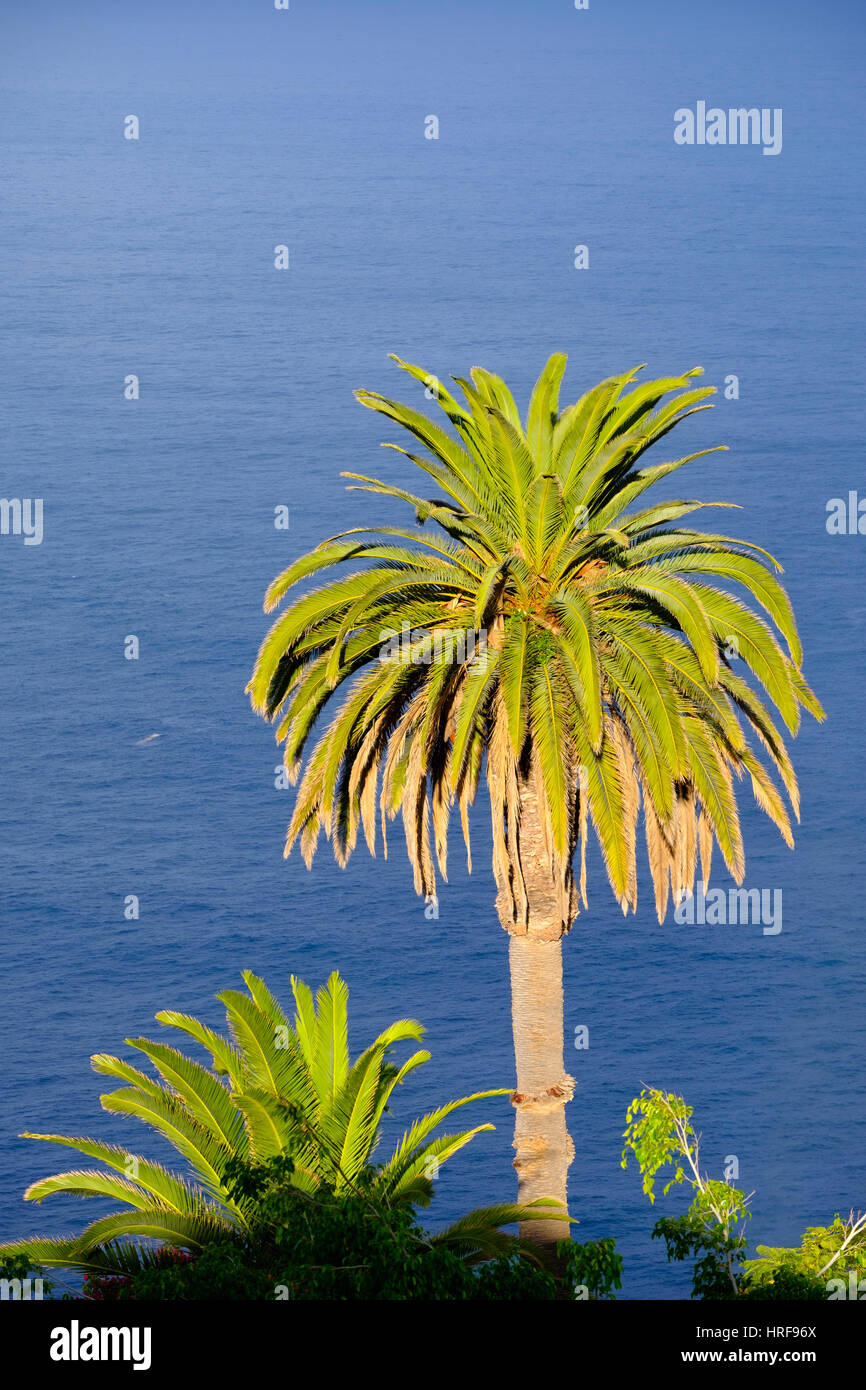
pixel 479 1236
pixel 156 1182
pixel 66 1252
pixel 411 1180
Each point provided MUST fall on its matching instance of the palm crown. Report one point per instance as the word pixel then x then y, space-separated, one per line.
pixel 594 660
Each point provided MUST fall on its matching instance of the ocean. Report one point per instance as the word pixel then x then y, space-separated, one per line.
pixel 154 258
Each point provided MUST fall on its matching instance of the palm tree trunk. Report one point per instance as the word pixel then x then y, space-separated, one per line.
pixel 544 1148
pixel 541 1139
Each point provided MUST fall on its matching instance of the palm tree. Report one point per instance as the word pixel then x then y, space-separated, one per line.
pixel 274 1088
pixel 583 653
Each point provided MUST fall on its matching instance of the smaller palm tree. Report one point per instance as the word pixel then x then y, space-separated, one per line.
pixel 274 1087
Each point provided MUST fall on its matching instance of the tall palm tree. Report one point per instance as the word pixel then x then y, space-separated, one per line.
pixel 583 653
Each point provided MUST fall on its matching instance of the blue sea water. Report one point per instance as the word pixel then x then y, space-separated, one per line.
pixel 155 258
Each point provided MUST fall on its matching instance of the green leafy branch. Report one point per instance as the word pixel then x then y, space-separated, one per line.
pixel 660 1134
